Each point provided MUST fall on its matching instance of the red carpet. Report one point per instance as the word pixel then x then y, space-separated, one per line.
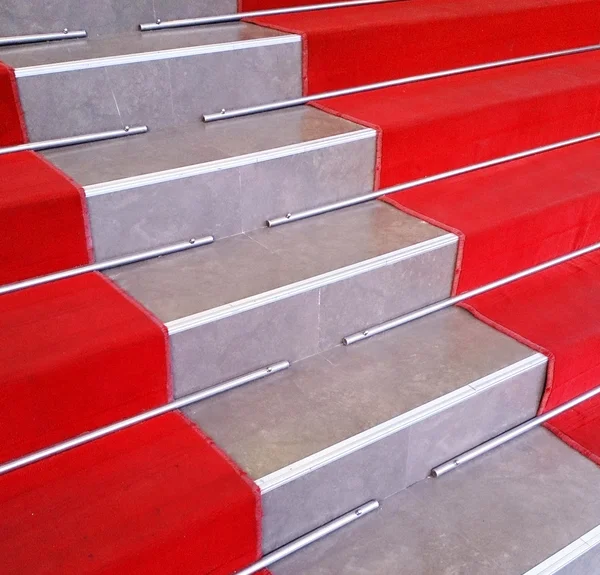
pixel 43 220
pixel 12 123
pixel 154 499
pixel 558 312
pixel 352 46
pixel 434 126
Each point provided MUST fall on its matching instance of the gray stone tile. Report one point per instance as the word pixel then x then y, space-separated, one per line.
pixel 177 9
pixel 339 394
pixel 194 143
pixel 362 301
pixel 302 181
pixel 466 425
pixel 97 16
pixel 520 503
pixel 234 79
pixel 159 214
pixel 374 472
pixel 187 283
pixel 238 344
pixel 143 93
pixel 59 105
pixel 401 537
pixel 588 564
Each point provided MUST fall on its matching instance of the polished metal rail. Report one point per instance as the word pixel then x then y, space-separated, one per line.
pixel 294 217
pixel 428 310
pixel 106 264
pixel 224 18
pixel 74 140
pixel 283 104
pixel 131 421
pixel 66 34
pixel 511 434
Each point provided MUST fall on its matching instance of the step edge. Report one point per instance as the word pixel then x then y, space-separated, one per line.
pixel 139 57
pixel 387 428
pixel 194 170
pixel 309 284
pixel 568 554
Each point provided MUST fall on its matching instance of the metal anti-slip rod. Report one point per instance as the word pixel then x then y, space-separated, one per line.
pixel 428 310
pixel 310 538
pixel 283 104
pixel 107 264
pixel 74 140
pixel 160 25
pixel 66 34
pixel 511 434
pixel 131 421
pixel 294 217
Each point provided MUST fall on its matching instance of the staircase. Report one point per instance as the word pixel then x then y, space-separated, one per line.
pixel 342 425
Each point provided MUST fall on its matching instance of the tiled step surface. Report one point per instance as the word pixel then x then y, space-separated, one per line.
pixel 502 514
pixel 365 421
pixel 291 292
pixel 158 79
pixel 220 179
pixel 100 17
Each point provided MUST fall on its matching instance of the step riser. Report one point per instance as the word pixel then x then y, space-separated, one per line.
pixel 157 93
pixel 225 202
pixel 106 17
pixel 305 324
pixel 392 464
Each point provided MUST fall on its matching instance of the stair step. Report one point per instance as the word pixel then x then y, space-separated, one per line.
pixel 158 79
pixel 366 421
pixel 106 18
pixel 289 293
pixel 222 179
pixel 503 514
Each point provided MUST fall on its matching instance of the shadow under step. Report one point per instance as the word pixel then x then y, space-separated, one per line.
pixel 364 422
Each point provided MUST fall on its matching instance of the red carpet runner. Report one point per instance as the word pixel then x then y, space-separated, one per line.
pixel 157 498
pixel 352 46
pixel 512 216
pixel 12 123
pixel 79 354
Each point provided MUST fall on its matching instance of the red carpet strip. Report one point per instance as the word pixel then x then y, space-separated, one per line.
pixel 43 219
pixel 353 46
pixel 435 126
pixel 157 498
pixel 12 123
pixel 558 312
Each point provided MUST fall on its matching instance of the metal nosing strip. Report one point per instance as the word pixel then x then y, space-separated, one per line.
pixel 275 295
pixel 392 426
pixel 226 163
pixel 183 52
pixel 567 555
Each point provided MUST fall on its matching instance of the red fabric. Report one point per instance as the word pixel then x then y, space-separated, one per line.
pixel 157 498
pixel 558 312
pixel 352 46
pixel 43 224
pixel 517 215
pixel 434 126
pixel 12 122
pixel 75 355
